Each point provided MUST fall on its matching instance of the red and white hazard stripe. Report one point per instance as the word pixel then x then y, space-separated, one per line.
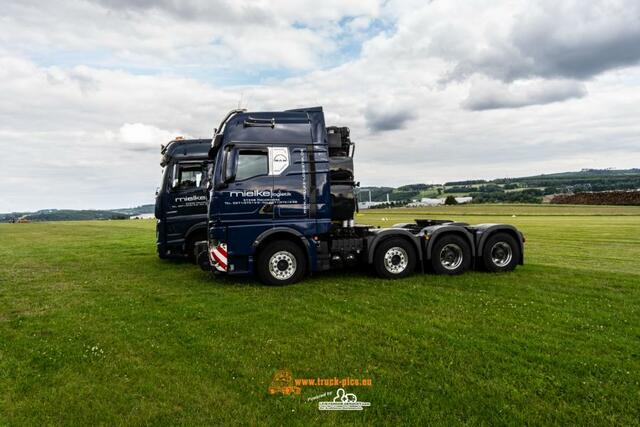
pixel 218 256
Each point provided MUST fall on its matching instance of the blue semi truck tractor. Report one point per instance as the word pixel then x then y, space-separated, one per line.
pixel 181 202
pixel 281 203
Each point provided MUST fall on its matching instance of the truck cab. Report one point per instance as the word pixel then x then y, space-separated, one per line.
pixel 281 205
pixel 270 181
pixel 181 206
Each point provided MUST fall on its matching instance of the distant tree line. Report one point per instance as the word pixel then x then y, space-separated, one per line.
pixel 396 204
pixel 527 189
pixel 601 198
pixel 593 183
pixel 530 195
pixel 63 215
pixel 468 182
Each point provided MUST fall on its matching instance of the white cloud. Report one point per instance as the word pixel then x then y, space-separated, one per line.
pixel 90 90
pixel 168 35
pixel 141 134
pixel 486 94
pixel 550 39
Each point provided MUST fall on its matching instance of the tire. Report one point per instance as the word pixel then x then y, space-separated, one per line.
pixel 500 252
pixel 190 246
pixel 281 263
pixel 451 254
pixel 203 261
pixel 394 258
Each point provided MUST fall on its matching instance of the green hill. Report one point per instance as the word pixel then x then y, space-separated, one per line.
pixel 75 215
pixel 528 189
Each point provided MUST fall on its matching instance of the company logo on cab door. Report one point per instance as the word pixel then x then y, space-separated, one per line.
pixel 278 160
pixel 191 199
pixel 259 193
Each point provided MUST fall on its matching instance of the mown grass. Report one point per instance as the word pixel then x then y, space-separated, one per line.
pixel 95 329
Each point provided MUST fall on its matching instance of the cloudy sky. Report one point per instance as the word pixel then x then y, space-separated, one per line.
pixel 432 91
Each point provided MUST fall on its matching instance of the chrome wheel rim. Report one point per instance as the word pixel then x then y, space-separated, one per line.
pixel 396 260
pixel 282 265
pixel 501 254
pixel 451 256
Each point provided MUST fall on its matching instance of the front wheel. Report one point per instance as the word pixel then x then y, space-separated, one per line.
pixel 451 255
pixel 500 253
pixel 281 263
pixel 394 258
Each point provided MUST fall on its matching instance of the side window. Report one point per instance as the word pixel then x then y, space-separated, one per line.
pixel 252 163
pixel 188 177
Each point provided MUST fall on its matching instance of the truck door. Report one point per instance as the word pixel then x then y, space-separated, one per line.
pixel 246 203
pixel 292 184
pixel 186 199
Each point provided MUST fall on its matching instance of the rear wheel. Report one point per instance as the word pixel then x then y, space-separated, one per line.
pixel 394 258
pixel 451 254
pixel 500 253
pixel 281 263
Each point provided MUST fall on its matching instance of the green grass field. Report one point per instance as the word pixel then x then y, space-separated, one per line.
pixel 94 329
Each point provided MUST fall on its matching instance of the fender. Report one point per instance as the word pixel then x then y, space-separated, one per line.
pixel 195 227
pixel 385 233
pixel 289 231
pixel 484 231
pixel 437 230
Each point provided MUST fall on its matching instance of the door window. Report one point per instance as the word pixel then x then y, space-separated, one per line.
pixel 251 163
pixel 188 177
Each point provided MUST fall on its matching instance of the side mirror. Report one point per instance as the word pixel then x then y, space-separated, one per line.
pixel 174 176
pixel 230 163
pixel 228 168
pixel 215 145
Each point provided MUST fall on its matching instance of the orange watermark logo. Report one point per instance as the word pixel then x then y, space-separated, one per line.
pixel 333 382
pixel 282 382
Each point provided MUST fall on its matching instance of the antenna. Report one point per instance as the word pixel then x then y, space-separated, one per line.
pixel 240 100
pixel 246 102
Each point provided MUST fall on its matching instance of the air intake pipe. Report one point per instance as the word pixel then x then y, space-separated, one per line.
pixel 341 176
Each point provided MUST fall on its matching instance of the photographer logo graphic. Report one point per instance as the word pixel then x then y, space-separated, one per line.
pixel 282 382
pixel 343 401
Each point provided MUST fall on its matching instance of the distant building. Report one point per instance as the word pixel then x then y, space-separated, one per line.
pixel 143 216
pixel 437 202
pixel 463 200
pixel 425 201
pixel 368 205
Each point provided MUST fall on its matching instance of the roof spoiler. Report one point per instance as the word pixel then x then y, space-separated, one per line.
pixel 305 110
pixel 216 142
